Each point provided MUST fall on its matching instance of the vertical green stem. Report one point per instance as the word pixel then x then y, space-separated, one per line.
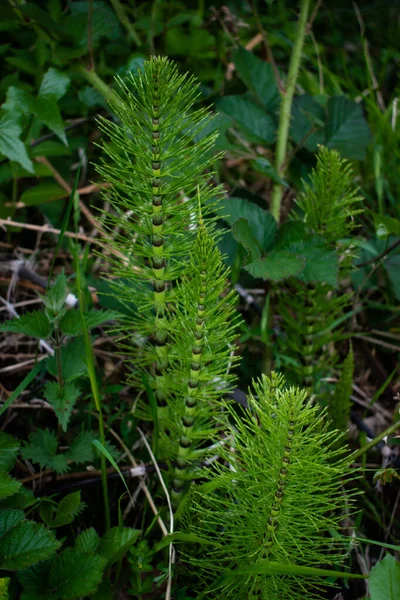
pixel 286 108
pixel 95 391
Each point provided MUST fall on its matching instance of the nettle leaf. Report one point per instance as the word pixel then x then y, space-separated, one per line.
pixel 42 448
pixel 278 265
pixel 384 581
pixel 262 223
pixel 346 128
pixel 55 297
pixel 71 323
pixel 62 399
pixel 81 450
pixel 25 545
pixel 250 117
pixel 73 363
pixel 9 447
pixel 10 144
pixel 259 77
pixel 69 508
pixel 8 485
pixel 9 518
pixel 35 324
pixel 242 233
pixel 88 540
pixel 116 542
pixel 75 574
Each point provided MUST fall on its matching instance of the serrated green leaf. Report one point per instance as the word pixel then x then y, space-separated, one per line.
pixel 346 128
pixel 307 122
pixel 8 485
pixel 25 545
pixel 10 144
pixel 72 360
pixel 259 77
pixel 253 120
pixel 384 581
pixel 262 223
pixel 116 542
pixel 88 540
pixel 9 518
pixel 34 581
pixel 81 450
pixel 278 265
pixel 9 447
pixel 44 192
pixel 76 574
pixel 42 448
pixel 69 508
pixel 243 234
pixel 62 399
pixel 71 323
pixel 35 324
pixel 54 83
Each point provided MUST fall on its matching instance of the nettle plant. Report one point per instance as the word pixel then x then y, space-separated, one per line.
pixel 270 511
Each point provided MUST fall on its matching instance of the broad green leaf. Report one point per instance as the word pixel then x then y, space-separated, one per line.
pixel 8 486
pixel 307 122
pixel 69 507
pixel 385 225
pixel 54 84
pixel 35 324
pixel 42 448
pixel 71 323
pixel 242 233
pixel 276 266
pixel 262 223
pixel 9 518
pixel 41 193
pixel 259 77
pixel 76 574
pixel 10 144
pixel 62 399
pixel 384 581
pixel 116 542
pixel 81 450
pixel 25 545
pixel 34 581
pixel 9 447
pixel 50 148
pixel 104 23
pixel 73 363
pixel 88 540
pixel 346 128
pixel 262 165
pixel 252 119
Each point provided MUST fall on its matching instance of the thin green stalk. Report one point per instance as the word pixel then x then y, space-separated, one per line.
pixel 95 391
pixel 286 108
pixel 98 84
pixel 376 440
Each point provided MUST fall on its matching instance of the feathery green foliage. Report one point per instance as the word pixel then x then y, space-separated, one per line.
pixel 155 163
pixel 277 496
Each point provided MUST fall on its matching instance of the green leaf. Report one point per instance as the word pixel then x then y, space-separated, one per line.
pixel 9 447
pixel 88 540
pixel 50 148
pixel 76 574
pixel 54 84
pixel 346 128
pixel 307 122
pixel 25 545
pixel 385 225
pixel 62 399
pixel 10 144
pixel 266 567
pixel 262 223
pixel 56 294
pixel 259 77
pixel 71 323
pixel 34 581
pixel 384 581
pixel 44 192
pixel 262 165
pixel 72 360
pixel 42 448
pixel 35 324
pixel 116 542
pixel 252 119
pixel 80 450
pixel 276 266
pixel 8 486
pixel 242 233
pixel 69 507
pixel 9 518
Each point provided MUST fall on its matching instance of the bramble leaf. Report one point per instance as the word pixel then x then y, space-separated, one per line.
pixel 276 266
pixel 76 574
pixel 116 542
pixel 25 545
pixel 9 447
pixel 88 540
pixel 8 485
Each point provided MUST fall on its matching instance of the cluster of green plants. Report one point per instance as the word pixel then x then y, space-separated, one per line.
pixel 261 498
